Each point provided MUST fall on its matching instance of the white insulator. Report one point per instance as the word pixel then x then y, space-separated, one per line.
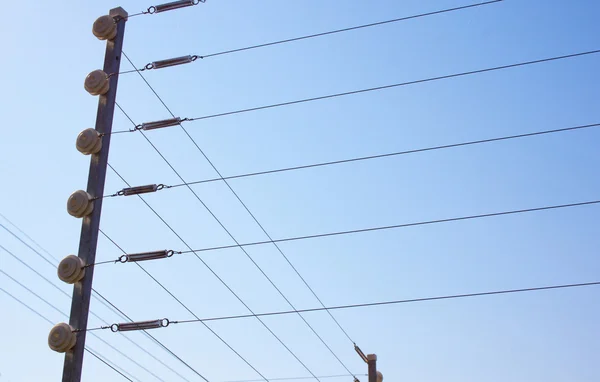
pixel 89 142
pixel 80 204
pixel 71 269
pixel 379 376
pixel 105 28
pixel 96 83
pixel 61 338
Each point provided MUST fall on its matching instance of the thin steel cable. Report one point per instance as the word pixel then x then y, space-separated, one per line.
pixel 296 378
pixel 384 303
pixel 395 226
pixel 93 334
pixel 182 304
pixel 110 304
pixel 49 262
pixel 380 156
pixel 283 254
pixel 51 323
pixel 107 364
pixel 231 235
pixel 310 36
pixel 448 76
pixel 392 154
pixel 155 340
pixel 28 237
pixel 210 269
pixel 430 79
pixel 350 29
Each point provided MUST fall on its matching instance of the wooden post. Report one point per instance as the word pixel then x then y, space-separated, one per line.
pixel 82 290
pixel 372 363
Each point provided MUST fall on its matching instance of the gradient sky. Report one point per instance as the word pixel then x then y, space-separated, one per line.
pixel 547 336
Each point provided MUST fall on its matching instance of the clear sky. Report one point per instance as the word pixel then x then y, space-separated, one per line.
pixel 547 336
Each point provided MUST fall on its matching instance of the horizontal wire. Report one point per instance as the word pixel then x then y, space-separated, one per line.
pixel 102 299
pixel 462 74
pixel 330 32
pixel 169 292
pixel 395 226
pixel 383 303
pixel 297 378
pixel 388 227
pixel 378 156
pixel 217 220
pixel 165 288
pixel 236 241
pixel 51 323
pixel 424 80
pixel 67 316
pixel 350 28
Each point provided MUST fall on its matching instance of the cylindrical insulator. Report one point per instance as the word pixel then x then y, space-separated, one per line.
pixel 139 190
pixel 173 5
pixel 172 62
pixel 162 123
pixel 96 83
pixel 61 338
pixel 379 376
pixel 71 269
pixel 144 256
pixel 89 142
pixel 80 204
pixel 140 325
pixel 105 28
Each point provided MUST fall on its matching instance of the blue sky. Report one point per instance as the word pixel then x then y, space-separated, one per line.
pixel 538 336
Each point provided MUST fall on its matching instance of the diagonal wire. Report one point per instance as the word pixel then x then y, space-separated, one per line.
pixel 178 300
pixel 95 293
pixel 110 305
pixel 209 268
pixel 87 348
pixel 93 334
pixel 257 222
pixel 106 363
pixel 231 235
pixel 381 228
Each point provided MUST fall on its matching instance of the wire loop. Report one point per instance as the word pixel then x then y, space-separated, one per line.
pixel 151 10
pixel 164 322
pixel 114 328
pixel 122 259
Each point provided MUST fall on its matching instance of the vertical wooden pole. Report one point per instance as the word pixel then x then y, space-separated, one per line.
pixel 372 363
pixel 82 290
